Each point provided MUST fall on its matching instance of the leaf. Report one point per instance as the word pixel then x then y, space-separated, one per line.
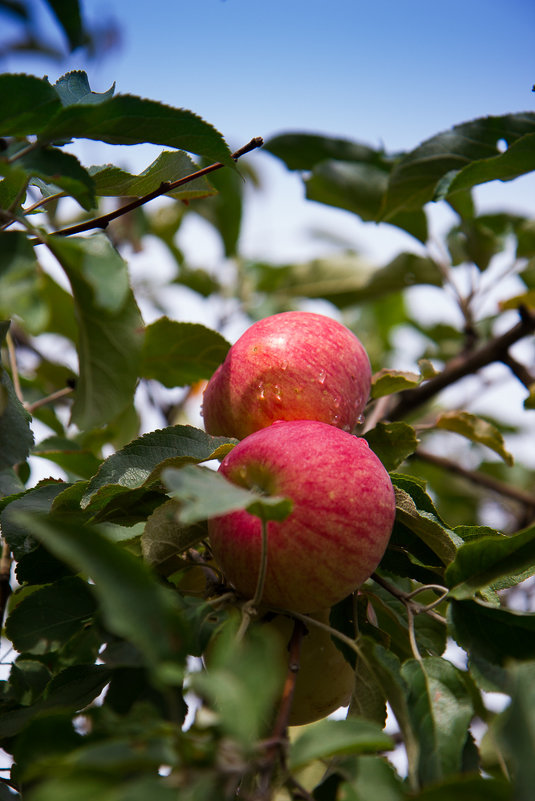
pixel 494 634
pixel 392 442
pixel 487 559
pixel 302 151
pixel 517 160
pixel 134 604
pixel 348 279
pixel 360 188
pixel 387 381
pixel 16 437
pixel 28 103
pixel 69 455
pixel 164 538
pixel 441 710
pixel 21 282
pixel 329 738
pixel 75 687
pixel 69 16
pixel 60 169
pixel 73 87
pixel 415 179
pixel 112 181
pixel 46 619
pixel 517 731
pixel 110 327
pixel 178 354
pixel 37 500
pixel 415 510
pixel 203 494
pixel 140 462
pixel 369 778
pixel 476 429
pixel 131 120
pixel 467 788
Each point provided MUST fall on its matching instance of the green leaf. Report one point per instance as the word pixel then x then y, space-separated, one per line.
pixel 73 87
pixel 492 633
pixel 131 120
pixel 75 687
pixel 110 327
pixel 28 103
pixel 329 738
pixel 62 170
pixel 69 455
pixel 21 282
pixel 302 151
pixel 415 180
pixel 203 494
pixel 113 181
pixel 236 669
pixel 415 510
pixel 487 559
pixel 164 538
pixel 467 788
pixel 46 619
pixel 346 280
pixel 476 429
pixel 69 16
pixel 178 354
pixel 37 500
pixel 16 437
pixel 371 778
pixel 441 710
pixel 140 463
pixel 517 732
pixel 518 159
pixel 392 442
pixel 134 604
pixel 387 381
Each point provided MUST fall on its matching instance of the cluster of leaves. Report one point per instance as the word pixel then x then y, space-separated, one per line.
pixel 108 620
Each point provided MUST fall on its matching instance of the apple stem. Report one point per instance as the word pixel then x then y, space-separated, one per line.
pixel 263 566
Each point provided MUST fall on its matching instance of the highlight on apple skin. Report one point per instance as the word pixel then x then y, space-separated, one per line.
pixel 290 366
pixel 338 529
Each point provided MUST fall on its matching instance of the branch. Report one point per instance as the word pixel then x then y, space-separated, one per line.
pixel 5 585
pixel 494 351
pixel 482 480
pixel 165 186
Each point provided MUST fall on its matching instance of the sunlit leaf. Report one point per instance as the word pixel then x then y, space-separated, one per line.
pixel 329 738
pixel 178 354
pixel 73 87
pixel 476 429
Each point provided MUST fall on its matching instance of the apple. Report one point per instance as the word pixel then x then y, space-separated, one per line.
pixel 325 680
pixel 338 529
pixel 290 366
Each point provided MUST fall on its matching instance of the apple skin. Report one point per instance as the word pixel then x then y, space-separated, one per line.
pixel 325 680
pixel 338 529
pixel 290 366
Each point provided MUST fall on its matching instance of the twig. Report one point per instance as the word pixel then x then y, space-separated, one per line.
pixel 482 480
pixel 249 608
pixel 54 396
pixel 5 585
pixel 164 188
pixel 407 598
pixel 494 351
pixel 519 370
pixel 13 365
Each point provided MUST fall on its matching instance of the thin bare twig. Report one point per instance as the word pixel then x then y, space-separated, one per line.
pixel 14 368
pixel 54 396
pixel 5 584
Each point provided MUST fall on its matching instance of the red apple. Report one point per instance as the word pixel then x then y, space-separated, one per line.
pixel 290 366
pixel 339 526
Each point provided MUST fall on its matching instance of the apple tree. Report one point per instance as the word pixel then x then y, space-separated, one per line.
pixel 132 666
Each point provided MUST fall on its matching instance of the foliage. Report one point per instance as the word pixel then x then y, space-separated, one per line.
pixel 117 596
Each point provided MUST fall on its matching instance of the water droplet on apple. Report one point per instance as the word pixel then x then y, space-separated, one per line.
pixel 322 376
pixel 261 392
pixel 335 419
pixel 277 392
pixel 284 365
pixel 360 419
pixel 336 402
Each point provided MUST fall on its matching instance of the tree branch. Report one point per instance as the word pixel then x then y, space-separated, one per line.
pixel 164 188
pixel 496 350
pixel 480 479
